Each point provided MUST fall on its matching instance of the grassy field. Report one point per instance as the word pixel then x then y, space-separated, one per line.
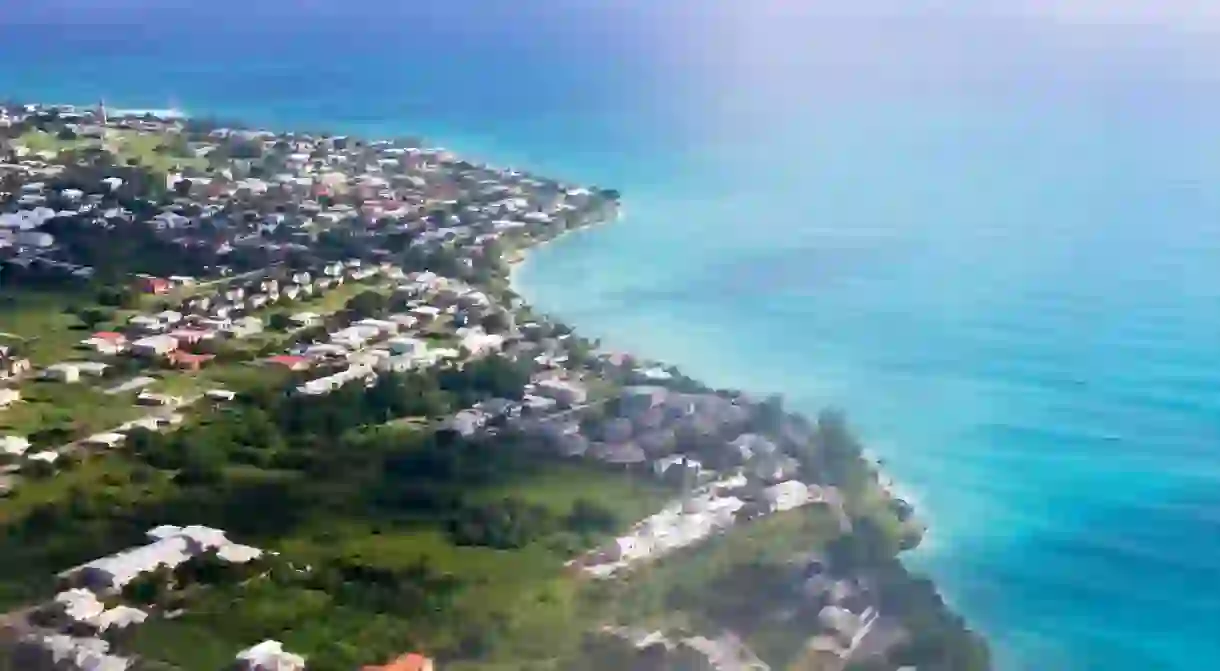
pixel 38 141
pixel 44 325
pixel 152 151
pixel 632 498
pixel 70 411
pixel 329 302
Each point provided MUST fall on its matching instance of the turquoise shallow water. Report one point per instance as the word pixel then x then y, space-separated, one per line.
pixel 991 236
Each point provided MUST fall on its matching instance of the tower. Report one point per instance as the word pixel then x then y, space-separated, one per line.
pixel 101 112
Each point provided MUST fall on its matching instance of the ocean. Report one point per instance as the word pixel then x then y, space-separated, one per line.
pixel 988 232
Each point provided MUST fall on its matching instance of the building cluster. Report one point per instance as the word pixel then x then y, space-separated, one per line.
pixel 229 192
pixel 81 626
pixel 699 514
pixel 671 433
pixel 400 341
pixel 723 653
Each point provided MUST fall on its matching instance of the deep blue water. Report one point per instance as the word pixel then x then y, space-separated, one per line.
pixel 988 232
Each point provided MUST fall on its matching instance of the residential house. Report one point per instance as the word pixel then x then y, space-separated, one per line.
pixel 466 423
pixel 190 336
pixel 106 342
pixel 425 313
pixel 153 285
pixel 638 400
pixel 245 327
pixel 214 323
pixel 12 367
pixel 14 446
pixel 154 346
pixel 788 495
pixel 404 321
pixel 677 467
pixel 478 343
pixel 269 656
pixel 304 319
pixel 149 398
pixel 60 651
pixel 62 372
pixel 106 440
pixel 566 393
pixel 171 546
pixel 624 453
pixel 774 468
pixel 146 323
pixel 749 445
pixel 383 326
pixel 406 345
pixel 168 317
pixel 44 456
pixel 220 394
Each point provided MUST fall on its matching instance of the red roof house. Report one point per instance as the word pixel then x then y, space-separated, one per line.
pixel 109 336
pixel 153 285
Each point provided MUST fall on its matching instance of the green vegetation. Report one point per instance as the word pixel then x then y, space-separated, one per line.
pixel 160 153
pixel 47 326
pixel 52 413
pixel 405 531
pixel 39 141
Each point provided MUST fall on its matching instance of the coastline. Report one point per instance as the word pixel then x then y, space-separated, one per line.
pixel 869 525
pixel 885 485
pixel 884 490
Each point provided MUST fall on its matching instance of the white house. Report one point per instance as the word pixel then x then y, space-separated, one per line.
pixel 787 495
pixel 169 317
pixel 171 546
pixel 146 323
pixel 79 605
pixel 269 656
pixel 9 397
pixel 563 391
pixel 107 440
pixel 153 346
pixel 303 319
pixel 62 372
pixel 14 445
pixel 407 346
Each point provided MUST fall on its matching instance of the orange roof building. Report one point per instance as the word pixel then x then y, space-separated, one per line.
pixel 408 662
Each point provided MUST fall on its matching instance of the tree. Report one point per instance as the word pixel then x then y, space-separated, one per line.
pixel 279 321
pixel 183 187
pixel 91 317
pixel 367 304
pixel 590 517
pixel 495 322
pixel 149 588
